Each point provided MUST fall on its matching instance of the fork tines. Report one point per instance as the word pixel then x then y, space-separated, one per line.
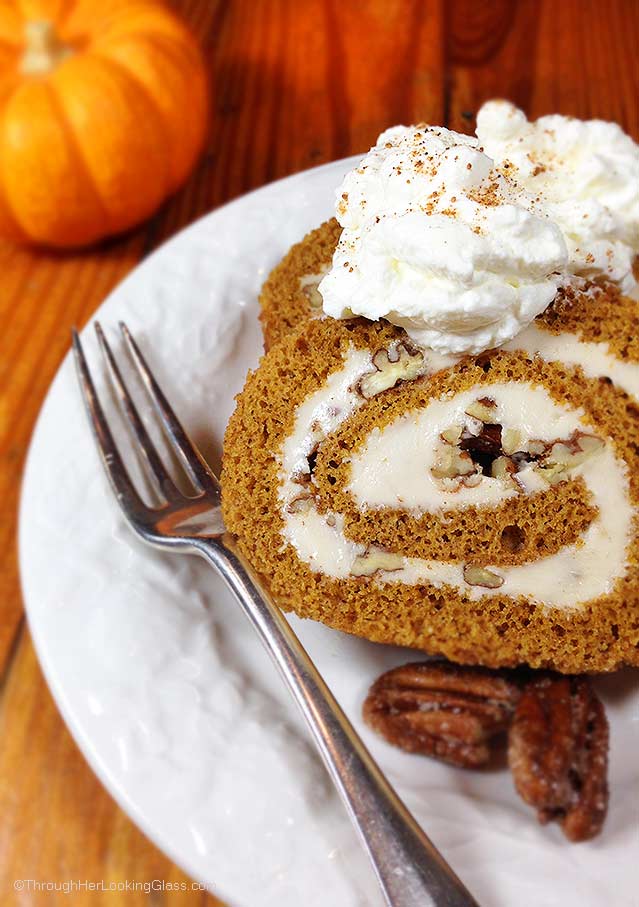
pixel 188 455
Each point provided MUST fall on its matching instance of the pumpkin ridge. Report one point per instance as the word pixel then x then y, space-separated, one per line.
pixel 186 52
pixel 161 41
pixel 6 207
pixel 144 92
pixel 64 14
pixel 100 19
pixel 181 57
pixel 102 24
pixel 7 86
pixel 12 46
pixel 75 150
pixel 10 27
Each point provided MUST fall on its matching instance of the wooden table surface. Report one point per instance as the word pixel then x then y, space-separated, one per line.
pixel 295 83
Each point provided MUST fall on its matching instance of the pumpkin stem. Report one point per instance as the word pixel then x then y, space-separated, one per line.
pixel 43 49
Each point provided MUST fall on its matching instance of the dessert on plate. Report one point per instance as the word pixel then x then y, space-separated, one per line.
pixel 583 175
pixel 441 447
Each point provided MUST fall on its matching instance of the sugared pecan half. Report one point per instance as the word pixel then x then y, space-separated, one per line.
pixel 443 710
pixel 558 754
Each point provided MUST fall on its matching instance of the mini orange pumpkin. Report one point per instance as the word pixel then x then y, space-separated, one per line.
pixel 103 108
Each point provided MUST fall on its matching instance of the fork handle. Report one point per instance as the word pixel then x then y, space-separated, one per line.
pixel 410 870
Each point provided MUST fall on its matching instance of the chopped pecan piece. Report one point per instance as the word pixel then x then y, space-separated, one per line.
pixel 452 435
pixel 511 441
pixel 537 448
pixel 559 457
pixel 480 576
pixel 452 713
pixel 391 366
pixel 502 468
pixel 482 409
pixel 558 754
pixel 451 463
pixel 375 559
pixel 309 286
pixel 300 504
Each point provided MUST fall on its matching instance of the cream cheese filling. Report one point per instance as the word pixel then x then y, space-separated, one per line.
pixel 595 359
pixel 577 573
pixel 379 478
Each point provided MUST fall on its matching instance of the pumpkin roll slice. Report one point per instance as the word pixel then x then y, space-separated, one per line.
pixel 482 508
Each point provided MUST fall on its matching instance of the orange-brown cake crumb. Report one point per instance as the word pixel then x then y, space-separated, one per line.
pixel 284 301
pixel 598 634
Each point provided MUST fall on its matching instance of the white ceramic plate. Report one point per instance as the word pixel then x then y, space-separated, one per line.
pixel 161 682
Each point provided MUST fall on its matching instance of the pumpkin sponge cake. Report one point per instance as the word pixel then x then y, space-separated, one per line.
pixel 483 508
pixel 290 295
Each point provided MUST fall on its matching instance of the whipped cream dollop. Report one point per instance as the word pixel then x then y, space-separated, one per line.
pixel 463 241
pixel 440 242
pixel 585 174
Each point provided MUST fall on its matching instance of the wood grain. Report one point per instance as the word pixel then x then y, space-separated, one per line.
pixel 294 84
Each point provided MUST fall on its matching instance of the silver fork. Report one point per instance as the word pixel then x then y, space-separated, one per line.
pixel 410 871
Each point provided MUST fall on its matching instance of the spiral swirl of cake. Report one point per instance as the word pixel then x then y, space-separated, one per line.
pixel 479 507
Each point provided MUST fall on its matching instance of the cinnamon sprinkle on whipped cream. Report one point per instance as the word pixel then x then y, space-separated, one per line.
pixel 585 174
pixel 463 241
